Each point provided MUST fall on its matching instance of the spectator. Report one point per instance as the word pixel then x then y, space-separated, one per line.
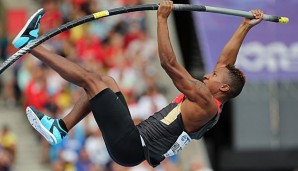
pixel 7 81
pixel 35 92
pixel 84 163
pixel 114 50
pixel 151 102
pixel 3 44
pixel 96 149
pixel 8 143
pixel 90 47
pixel 5 160
pixel 53 18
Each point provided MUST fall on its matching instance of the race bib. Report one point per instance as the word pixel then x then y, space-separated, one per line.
pixel 180 143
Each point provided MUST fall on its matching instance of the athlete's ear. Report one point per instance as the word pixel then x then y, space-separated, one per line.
pixel 224 88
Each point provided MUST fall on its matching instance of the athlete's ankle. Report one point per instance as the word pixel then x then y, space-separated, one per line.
pixel 63 125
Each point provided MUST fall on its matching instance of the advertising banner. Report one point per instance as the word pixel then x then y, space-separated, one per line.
pixel 269 51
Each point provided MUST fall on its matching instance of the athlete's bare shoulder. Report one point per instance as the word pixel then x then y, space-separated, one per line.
pixel 194 115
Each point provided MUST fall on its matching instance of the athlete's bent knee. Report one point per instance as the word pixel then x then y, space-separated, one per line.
pixel 108 79
pixel 93 82
pixel 111 83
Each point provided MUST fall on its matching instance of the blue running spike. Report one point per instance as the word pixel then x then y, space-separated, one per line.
pixel 48 127
pixel 30 31
pixel 21 42
pixel 34 33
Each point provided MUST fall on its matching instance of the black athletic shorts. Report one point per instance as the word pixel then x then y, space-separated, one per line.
pixel 121 136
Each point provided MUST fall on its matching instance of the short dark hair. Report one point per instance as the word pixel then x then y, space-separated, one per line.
pixel 236 81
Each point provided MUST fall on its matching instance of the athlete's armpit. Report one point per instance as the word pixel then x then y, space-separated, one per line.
pixel 197 82
pixel 197 92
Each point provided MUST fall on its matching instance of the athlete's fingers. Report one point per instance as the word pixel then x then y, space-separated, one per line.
pixel 165 8
pixel 257 13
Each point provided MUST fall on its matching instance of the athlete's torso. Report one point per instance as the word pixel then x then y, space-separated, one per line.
pixel 164 134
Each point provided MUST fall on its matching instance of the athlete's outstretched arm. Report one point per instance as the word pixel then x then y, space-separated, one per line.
pixel 184 82
pixel 231 49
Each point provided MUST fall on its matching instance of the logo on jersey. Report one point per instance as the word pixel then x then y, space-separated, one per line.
pixel 180 143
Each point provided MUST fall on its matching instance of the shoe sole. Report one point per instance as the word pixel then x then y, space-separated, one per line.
pixel 36 124
pixel 26 25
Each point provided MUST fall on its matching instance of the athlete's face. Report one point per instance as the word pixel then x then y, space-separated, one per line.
pixel 215 81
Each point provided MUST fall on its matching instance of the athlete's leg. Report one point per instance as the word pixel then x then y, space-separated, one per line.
pixel 112 116
pixel 121 136
pixel 55 130
pixel 82 107
pixel 72 72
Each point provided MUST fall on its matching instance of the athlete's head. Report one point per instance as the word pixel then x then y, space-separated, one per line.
pixel 228 80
